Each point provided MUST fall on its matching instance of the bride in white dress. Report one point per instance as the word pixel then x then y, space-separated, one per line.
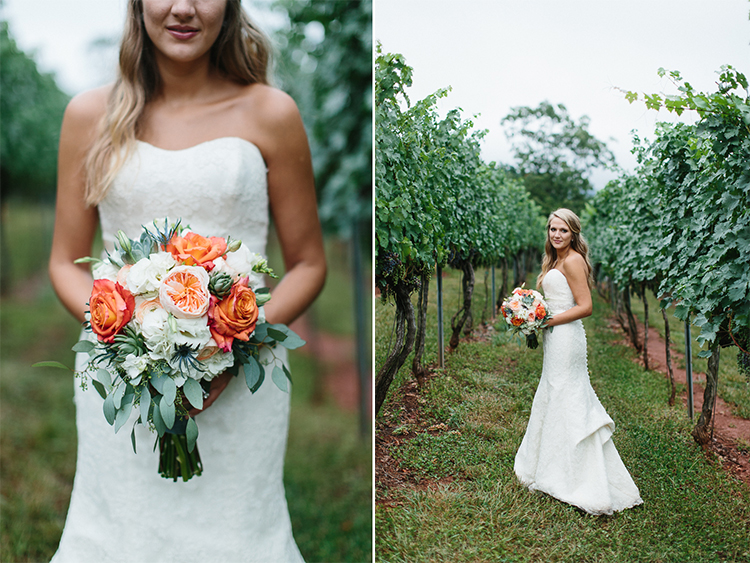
pixel 567 451
pixel 190 130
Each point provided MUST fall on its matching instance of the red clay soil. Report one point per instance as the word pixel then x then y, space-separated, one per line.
pixel 727 427
pixel 337 354
pixel 389 436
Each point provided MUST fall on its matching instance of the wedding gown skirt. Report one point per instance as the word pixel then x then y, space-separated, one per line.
pixel 567 451
pixel 121 509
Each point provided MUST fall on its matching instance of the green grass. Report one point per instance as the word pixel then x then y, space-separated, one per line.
pixel 734 387
pixel 328 470
pixel 469 506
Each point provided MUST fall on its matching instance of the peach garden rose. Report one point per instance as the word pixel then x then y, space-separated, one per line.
pixel 184 292
pixel 196 250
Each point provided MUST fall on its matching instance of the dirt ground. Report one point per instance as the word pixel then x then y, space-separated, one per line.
pixel 727 428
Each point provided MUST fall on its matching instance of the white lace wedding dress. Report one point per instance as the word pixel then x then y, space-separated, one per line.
pixel 567 451
pixel 121 509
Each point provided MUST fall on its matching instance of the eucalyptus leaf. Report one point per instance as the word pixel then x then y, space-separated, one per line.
pixel 167 412
pixel 99 388
pixel 104 377
pixel 109 409
pixel 50 364
pixel 83 346
pixel 194 393
pixel 191 432
pixel 122 415
pixel 254 374
pixel 169 390
pixel 117 394
pixel 145 403
pixel 159 424
pixel 279 378
pixel 132 439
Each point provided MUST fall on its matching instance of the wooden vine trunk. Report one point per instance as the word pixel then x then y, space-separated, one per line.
pixel 417 368
pixel 463 315
pixel 702 430
pixel 503 291
pixel 631 328
pixel 405 333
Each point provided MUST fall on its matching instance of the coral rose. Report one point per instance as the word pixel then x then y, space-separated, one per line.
pixel 184 292
pixel 111 307
pixel 195 250
pixel 540 311
pixel 516 321
pixel 234 316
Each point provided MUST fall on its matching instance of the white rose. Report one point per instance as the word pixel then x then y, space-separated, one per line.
pixel 134 366
pixel 239 264
pixel 105 270
pixel 214 360
pixel 193 332
pixel 156 332
pixel 147 274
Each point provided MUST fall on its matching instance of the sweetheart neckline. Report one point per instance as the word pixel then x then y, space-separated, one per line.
pixel 233 138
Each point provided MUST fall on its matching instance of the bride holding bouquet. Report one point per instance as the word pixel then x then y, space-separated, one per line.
pixel 190 130
pixel 567 451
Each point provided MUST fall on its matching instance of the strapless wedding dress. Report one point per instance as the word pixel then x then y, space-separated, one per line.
pixel 567 451
pixel 121 509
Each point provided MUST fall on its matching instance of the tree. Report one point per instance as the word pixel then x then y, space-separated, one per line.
pixel 326 67
pixel 555 154
pixel 31 109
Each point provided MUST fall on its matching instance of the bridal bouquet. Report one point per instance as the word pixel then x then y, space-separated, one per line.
pixel 171 311
pixel 526 311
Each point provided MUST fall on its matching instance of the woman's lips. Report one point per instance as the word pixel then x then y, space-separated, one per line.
pixel 182 32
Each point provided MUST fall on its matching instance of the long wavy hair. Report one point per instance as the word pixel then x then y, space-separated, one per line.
pixel 577 243
pixel 241 53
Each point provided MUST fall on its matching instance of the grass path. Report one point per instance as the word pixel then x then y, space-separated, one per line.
pixel 454 442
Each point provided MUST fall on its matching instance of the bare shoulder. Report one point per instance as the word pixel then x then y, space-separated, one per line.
pixel 269 106
pixel 89 106
pixel 84 113
pixel 574 265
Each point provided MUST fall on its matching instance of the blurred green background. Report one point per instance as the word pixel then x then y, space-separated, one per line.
pixel 328 473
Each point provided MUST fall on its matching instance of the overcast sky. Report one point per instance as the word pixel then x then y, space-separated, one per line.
pixel 497 54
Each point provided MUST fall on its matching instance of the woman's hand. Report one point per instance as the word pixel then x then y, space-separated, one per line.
pixel 218 384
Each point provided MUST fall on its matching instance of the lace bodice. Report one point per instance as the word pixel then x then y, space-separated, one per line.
pixel 557 292
pixel 218 188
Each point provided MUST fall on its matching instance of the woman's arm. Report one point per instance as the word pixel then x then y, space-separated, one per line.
pixel 75 223
pixel 574 269
pixel 294 209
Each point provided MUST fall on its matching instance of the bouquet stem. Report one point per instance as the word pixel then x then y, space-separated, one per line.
pixel 175 460
pixel 532 341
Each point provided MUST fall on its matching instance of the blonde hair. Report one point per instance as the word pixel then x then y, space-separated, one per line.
pixel 241 53
pixel 577 243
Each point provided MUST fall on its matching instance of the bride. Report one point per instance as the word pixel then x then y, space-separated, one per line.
pixel 567 451
pixel 192 130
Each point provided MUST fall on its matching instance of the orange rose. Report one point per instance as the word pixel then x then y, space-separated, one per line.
pixel 184 292
pixel 195 250
pixel 540 311
pixel 111 307
pixel 516 321
pixel 234 316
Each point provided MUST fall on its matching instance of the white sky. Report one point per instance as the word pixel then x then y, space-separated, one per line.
pixel 497 54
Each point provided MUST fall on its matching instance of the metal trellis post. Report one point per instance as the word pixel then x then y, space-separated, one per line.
pixel 441 345
pixel 689 367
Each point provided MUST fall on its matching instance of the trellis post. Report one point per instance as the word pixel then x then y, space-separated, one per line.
pixel 689 367
pixel 441 344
